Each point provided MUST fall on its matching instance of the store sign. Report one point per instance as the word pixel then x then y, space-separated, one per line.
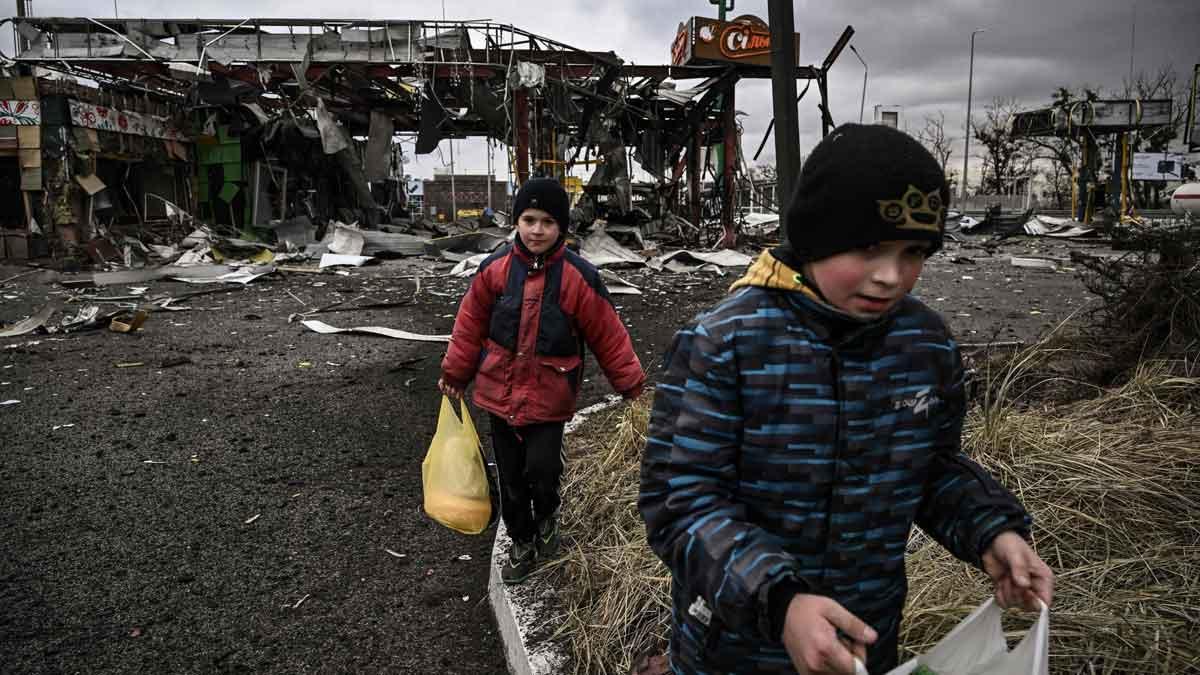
pixel 20 113
pixel 746 40
pixel 1158 166
pixel 101 118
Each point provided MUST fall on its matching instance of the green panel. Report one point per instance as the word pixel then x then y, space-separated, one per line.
pixel 233 170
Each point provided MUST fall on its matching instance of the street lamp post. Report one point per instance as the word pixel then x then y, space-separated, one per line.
pixel 863 104
pixel 967 136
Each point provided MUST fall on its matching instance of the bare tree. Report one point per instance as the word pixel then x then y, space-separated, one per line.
pixel 933 137
pixel 1008 159
pixel 765 172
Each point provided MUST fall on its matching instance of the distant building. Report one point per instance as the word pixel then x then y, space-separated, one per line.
pixel 470 196
pixel 889 115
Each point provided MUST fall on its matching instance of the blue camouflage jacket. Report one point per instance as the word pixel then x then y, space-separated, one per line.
pixel 790 445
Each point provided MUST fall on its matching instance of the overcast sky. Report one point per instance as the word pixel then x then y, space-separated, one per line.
pixel 917 51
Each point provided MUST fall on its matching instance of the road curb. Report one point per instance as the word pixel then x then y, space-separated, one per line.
pixel 515 615
pixel 516 608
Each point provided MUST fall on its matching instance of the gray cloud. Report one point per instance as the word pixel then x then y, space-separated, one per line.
pixel 917 51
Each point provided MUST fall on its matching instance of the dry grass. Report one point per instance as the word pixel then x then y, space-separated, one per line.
pixel 1113 483
pixel 614 590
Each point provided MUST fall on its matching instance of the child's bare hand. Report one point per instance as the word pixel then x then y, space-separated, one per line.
pixel 1020 576
pixel 810 635
pixel 448 389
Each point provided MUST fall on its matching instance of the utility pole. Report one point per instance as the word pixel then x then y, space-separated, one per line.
pixel 863 104
pixel 453 191
pixel 723 181
pixel 967 136
pixel 783 96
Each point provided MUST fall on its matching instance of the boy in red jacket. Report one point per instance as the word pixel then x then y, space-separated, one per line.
pixel 520 335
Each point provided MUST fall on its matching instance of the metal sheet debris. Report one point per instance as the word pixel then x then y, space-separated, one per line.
pixel 618 286
pixel 1062 228
pixel 29 325
pixel 215 274
pixel 336 260
pixel 468 267
pixel 691 261
pixel 602 250
pixel 394 333
pixel 1034 263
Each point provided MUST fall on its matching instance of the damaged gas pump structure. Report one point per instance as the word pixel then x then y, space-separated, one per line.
pixel 1088 123
pixel 280 119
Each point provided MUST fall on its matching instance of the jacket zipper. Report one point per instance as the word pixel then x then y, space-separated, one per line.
pixel 835 369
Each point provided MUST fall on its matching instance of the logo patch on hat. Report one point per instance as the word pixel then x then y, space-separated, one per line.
pixel 915 210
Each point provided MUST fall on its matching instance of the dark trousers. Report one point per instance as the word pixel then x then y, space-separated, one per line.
pixel 530 463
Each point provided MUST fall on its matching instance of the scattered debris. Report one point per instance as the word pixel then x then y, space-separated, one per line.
pixel 18 276
pixel 29 325
pixel 128 323
pixel 326 329
pixel 618 286
pixel 602 250
pixel 468 267
pixel 253 518
pixel 1035 263
pixel 130 364
pixel 9 402
pixel 337 259
pixel 1062 228
pixel 692 261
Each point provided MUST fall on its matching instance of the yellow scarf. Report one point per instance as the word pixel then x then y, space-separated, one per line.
pixel 769 272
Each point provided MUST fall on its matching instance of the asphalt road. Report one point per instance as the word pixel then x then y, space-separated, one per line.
pixel 227 491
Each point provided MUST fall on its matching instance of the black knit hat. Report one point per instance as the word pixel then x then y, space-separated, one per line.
pixel 545 194
pixel 863 184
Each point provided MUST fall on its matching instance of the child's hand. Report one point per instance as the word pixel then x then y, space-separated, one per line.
pixel 810 635
pixel 1020 575
pixel 449 390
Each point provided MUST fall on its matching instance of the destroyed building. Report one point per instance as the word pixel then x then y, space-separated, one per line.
pixel 249 124
pixel 449 197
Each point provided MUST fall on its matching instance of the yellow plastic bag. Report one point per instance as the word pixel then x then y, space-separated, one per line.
pixel 453 476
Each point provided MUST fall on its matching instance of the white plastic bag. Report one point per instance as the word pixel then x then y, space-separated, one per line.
pixel 976 646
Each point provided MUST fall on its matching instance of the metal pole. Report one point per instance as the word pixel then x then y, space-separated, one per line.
pixel 783 95
pixel 967 136
pixel 863 104
pixel 1132 37
pixel 453 189
pixel 719 170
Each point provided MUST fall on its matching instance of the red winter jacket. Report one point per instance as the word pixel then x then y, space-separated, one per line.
pixel 521 330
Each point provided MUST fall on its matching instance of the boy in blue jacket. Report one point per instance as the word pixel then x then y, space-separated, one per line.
pixel 808 421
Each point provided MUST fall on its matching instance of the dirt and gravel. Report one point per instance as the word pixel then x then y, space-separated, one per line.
pixel 247 498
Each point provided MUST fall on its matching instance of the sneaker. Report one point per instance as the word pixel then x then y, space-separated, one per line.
pixel 522 558
pixel 547 538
